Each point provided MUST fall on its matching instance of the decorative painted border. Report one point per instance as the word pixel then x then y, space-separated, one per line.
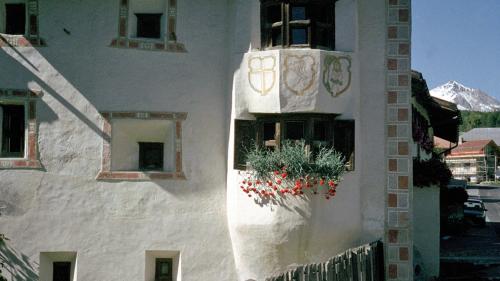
pixel 399 206
pixel 107 174
pixel 33 37
pixel 30 161
pixel 169 43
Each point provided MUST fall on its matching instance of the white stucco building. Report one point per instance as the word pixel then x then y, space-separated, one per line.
pixel 121 125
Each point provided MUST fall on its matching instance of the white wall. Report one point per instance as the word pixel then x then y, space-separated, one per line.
pixel 112 224
pixel 426 228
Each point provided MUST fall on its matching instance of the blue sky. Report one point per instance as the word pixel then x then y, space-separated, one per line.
pixel 458 40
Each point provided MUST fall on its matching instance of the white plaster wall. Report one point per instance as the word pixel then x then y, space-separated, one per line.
pixel 268 238
pixel 426 228
pixel 111 224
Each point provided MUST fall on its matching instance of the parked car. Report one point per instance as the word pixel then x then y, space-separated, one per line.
pixel 475 212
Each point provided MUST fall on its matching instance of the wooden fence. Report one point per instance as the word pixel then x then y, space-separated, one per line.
pixel 364 263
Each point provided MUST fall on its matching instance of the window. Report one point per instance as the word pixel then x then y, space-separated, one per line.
pixel 317 130
pixel 61 271
pixel 163 269
pixel 148 25
pixel 15 19
pixel 151 156
pixel 18 129
pixel 12 130
pixel 298 23
pixel 142 146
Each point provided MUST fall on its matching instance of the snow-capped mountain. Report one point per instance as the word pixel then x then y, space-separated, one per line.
pixel 466 98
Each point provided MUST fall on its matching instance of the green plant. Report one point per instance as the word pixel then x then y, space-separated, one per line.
pixel 431 172
pixel 293 170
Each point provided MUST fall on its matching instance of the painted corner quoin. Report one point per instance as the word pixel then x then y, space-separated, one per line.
pixel 398 222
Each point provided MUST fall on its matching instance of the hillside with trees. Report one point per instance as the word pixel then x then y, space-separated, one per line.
pixel 476 119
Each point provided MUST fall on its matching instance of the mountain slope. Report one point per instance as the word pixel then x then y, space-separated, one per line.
pixel 466 98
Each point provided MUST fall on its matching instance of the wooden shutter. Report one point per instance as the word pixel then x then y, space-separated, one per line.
pixel 343 140
pixel 244 139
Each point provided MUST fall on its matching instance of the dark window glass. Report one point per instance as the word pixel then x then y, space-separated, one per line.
pixel 295 130
pixel 270 136
pixel 277 40
pixel 151 156
pixel 273 14
pixel 12 123
pixel 61 271
pixel 163 269
pixel 243 141
pixel 15 20
pixel 344 141
pixel 148 25
pixel 298 13
pixel 299 36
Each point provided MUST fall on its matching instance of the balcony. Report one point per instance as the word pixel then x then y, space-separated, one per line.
pixel 295 80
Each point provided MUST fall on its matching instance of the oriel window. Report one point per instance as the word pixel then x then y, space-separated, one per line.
pixel 298 23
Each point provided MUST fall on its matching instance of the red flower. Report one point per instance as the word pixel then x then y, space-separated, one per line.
pixel 278 181
pixel 283 175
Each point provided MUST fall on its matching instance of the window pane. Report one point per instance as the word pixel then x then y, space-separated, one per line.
pixel 277 38
pixel 273 14
pixel 299 36
pixel 12 130
pixel 151 156
pixel 15 18
pixel 163 269
pixel 61 271
pixel 298 13
pixel 295 130
pixel 244 138
pixel 344 141
pixel 320 130
pixel 148 25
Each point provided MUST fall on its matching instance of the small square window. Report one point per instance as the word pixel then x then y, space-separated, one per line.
pixel 151 156
pixel 12 127
pixel 163 269
pixel 299 36
pixel 148 25
pixel 15 20
pixel 61 271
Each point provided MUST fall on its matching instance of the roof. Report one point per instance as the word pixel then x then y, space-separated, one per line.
pixel 472 148
pixel 444 116
pixel 482 134
pixel 442 143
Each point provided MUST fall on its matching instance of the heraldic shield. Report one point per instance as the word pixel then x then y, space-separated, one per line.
pixel 336 74
pixel 300 73
pixel 262 73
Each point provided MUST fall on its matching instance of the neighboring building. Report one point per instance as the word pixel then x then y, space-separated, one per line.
pixel 481 134
pixel 432 118
pixel 122 123
pixel 474 160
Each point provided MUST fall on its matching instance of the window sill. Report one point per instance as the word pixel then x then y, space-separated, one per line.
pixel 139 176
pixel 148 45
pixel 9 40
pixel 19 163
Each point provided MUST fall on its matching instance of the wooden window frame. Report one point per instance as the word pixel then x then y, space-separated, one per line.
pixel 280 133
pixel 286 24
pixel 30 158
pixel 107 174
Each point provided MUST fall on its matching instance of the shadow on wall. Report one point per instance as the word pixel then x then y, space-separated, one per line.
pixel 17 266
pixel 54 84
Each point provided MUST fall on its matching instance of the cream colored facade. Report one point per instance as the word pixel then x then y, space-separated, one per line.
pixel 97 89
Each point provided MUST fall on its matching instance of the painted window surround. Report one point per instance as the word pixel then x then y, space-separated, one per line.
pixel 168 43
pixel 32 37
pixel 28 98
pixel 107 174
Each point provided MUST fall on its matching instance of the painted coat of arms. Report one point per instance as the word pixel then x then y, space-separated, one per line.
pixel 336 74
pixel 262 73
pixel 299 73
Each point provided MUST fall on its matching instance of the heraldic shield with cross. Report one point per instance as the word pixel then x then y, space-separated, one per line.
pixel 262 73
